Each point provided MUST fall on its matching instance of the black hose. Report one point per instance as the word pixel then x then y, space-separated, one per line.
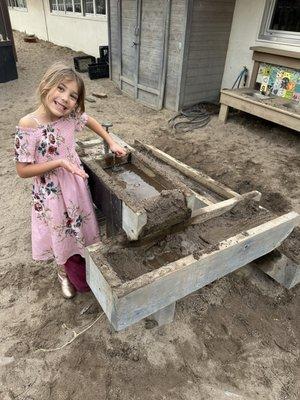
pixel 190 118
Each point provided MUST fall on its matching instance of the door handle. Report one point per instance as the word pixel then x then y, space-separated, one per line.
pixel 134 44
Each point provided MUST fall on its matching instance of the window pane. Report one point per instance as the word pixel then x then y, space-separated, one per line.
pixel 286 16
pixel 21 3
pixel 100 7
pixel 53 5
pixel 89 7
pixel 77 6
pixel 69 5
pixel 61 6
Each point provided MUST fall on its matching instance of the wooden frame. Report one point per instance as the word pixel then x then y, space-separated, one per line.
pixel 156 292
pixel 129 302
pixel 266 33
pixel 127 214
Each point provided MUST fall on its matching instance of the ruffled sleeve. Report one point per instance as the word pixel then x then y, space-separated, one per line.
pixel 80 121
pixel 25 145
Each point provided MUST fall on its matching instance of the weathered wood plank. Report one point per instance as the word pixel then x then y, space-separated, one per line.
pixel 203 214
pixel 198 176
pixel 275 51
pixel 99 286
pixel 153 291
pixel 132 222
pixel 291 62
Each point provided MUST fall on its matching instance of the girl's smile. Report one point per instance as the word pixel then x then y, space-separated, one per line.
pixel 62 99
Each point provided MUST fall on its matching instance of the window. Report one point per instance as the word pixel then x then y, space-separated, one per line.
pixel 89 6
pixel 100 7
pixel 60 5
pixel 281 21
pixel 95 7
pixel 77 6
pixel 83 7
pixel 21 4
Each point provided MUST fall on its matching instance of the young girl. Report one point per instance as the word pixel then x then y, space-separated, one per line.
pixel 63 220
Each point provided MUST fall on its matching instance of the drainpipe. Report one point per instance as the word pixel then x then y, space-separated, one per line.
pixel 44 11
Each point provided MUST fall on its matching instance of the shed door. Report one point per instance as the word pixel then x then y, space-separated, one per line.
pixel 144 31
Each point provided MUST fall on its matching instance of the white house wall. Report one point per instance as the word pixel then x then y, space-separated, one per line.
pixel 246 23
pixel 79 33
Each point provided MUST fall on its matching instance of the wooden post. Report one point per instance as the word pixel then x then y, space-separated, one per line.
pixel 165 315
pixel 223 114
pixel 281 268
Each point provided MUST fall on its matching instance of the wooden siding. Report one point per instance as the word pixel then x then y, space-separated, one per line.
pixel 151 40
pixel 209 26
pixel 175 53
pixel 128 38
pixel 114 41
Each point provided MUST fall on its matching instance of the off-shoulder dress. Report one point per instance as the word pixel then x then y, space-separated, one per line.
pixel 63 218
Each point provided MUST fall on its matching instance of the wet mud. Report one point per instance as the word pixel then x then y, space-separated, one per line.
pixel 145 186
pixel 131 262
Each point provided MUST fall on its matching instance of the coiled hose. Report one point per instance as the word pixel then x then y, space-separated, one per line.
pixel 190 118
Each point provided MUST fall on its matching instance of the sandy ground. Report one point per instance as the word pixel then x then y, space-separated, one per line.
pixel 237 338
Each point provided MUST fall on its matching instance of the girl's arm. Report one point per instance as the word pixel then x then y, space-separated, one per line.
pixel 100 131
pixel 27 170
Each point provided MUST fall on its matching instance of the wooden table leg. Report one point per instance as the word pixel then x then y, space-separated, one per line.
pixel 223 114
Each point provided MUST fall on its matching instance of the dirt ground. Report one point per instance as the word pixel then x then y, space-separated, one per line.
pixel 237 338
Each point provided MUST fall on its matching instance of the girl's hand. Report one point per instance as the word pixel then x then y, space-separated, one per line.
pixel 115 148
pixel 73 168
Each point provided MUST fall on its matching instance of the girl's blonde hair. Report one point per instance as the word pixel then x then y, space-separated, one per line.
pixel 57 73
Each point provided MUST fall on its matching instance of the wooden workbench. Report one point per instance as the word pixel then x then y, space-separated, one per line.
pixel 236 98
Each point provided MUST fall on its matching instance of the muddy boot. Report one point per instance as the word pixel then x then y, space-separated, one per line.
pixel 68 290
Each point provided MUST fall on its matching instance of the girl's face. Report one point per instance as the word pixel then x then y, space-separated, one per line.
pixel 62 99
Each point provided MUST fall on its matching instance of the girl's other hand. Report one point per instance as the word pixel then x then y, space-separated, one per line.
pixel 115 148
pixel 73 168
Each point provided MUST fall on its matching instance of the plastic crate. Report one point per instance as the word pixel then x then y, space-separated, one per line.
pixel 8 69
pixel 98 70
pixel 81 63
pixel 104 53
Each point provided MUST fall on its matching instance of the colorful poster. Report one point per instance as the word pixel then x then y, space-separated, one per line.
pixel 279 81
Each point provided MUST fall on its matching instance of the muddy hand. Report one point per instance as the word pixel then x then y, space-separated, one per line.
pixel 73 168
pixel 118 150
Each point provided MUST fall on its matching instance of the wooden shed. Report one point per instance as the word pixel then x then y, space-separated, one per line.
pixel 169 53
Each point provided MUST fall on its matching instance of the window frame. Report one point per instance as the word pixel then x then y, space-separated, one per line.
pixel 272 35
pixel 78 14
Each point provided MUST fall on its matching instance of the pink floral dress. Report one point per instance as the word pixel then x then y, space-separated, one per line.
pixel 63 219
